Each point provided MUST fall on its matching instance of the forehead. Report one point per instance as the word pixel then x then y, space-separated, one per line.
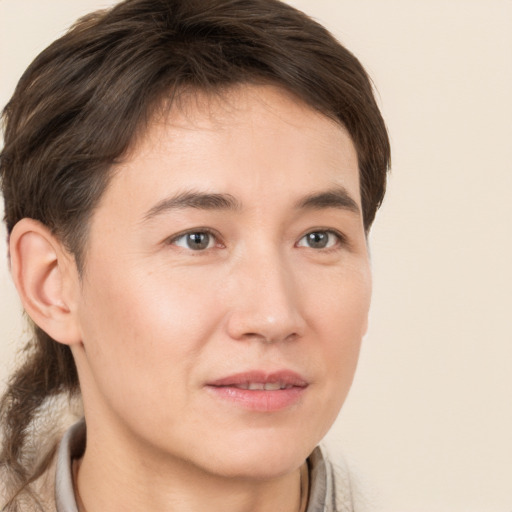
pixel 259 140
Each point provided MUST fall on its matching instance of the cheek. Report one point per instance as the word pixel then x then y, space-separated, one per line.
pixel 339 312
pixel 341 301
pixel 148 305
pixel 143 332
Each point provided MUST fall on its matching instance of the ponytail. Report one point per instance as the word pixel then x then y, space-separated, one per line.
pixel 48 372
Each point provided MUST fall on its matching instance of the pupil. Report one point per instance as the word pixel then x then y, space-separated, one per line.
pixel 197 241
pixel 317 240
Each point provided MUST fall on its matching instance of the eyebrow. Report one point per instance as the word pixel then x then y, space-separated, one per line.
pixel 337 197
pixel 197 200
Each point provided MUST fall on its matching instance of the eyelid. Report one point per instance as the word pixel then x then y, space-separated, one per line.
pixel 172 239
pixel 342 239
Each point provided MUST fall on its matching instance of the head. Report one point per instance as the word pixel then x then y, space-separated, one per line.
pixel 84 132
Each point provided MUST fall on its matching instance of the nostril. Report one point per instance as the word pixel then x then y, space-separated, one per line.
pixel 292 337
pixel 269 340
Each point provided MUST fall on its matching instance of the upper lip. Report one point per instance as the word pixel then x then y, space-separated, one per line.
pixel 285 377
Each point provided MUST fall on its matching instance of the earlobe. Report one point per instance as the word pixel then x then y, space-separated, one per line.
pixel 46 278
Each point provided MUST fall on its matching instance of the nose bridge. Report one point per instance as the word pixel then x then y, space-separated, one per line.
pixel 266 302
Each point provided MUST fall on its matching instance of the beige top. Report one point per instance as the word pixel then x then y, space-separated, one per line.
pixel 330 487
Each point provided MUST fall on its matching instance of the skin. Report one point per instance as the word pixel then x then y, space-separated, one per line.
pixel 156 321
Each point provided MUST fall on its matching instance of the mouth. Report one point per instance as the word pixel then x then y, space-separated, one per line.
pixel 263 386
pixel 260 391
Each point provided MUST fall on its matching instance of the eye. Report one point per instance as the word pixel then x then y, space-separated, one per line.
pixel 319 240
pixel 195 240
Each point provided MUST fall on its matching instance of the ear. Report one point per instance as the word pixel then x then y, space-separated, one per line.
pixel 47 280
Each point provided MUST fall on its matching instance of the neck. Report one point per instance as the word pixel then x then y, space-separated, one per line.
pixel 114 480
pixel 124 493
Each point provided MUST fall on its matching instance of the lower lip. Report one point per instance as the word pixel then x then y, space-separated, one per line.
pixel 259 400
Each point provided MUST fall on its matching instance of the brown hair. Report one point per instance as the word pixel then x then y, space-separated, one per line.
pixel 79 105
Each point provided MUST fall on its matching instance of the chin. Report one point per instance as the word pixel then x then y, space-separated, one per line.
pixel 265 456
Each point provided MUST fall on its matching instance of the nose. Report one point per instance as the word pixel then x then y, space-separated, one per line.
pixel 266 303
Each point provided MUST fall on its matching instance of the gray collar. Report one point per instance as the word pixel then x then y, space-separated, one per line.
pixel 71 447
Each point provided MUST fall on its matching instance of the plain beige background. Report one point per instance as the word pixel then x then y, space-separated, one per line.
pixel 429 418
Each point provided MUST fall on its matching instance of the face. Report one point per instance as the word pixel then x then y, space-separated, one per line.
pixel 226 287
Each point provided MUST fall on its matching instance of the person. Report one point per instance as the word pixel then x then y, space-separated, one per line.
pixel 188 188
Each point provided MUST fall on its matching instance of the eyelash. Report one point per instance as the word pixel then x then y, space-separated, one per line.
pixel 206 231
pixel 340 239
